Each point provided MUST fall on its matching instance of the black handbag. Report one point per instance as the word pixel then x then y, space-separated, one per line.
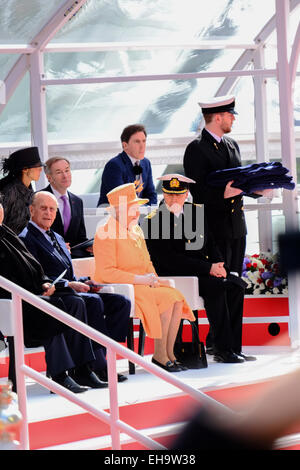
pixel 190 353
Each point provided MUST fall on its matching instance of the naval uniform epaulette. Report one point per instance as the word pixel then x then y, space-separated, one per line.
pixel 151 214
pixel 198 205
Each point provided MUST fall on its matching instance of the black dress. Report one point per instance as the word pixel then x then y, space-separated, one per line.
pixel 16 201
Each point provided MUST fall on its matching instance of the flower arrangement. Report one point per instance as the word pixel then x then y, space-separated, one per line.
pixel 261 273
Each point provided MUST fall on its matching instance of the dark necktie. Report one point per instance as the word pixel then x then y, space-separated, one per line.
pixel 54 240
pixel 223 148
pixel 137 170
pixel 62 254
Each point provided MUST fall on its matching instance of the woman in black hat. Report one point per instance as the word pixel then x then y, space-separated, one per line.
pixel 20 169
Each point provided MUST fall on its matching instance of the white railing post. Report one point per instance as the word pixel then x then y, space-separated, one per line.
pixel 19 363
pixel 113 399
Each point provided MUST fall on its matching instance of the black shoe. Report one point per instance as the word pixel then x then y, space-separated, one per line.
pixel 227 357
pixel 245 357
pixel 180 365
pixel 169 366
pixel 102 374
pixel 90 379
pixel 210 350
pixel 70 384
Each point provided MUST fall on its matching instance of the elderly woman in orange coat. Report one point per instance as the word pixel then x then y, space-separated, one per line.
pixel 121 256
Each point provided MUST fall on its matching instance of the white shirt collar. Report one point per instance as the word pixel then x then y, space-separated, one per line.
pixel 57 194
pixel 215 136
pixel 133 160
pixel 37 226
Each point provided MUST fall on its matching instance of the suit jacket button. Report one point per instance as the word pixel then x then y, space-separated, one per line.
pixel 232 201
pixel 232 210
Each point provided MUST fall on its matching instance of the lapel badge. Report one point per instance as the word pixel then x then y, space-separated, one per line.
pixel 216 146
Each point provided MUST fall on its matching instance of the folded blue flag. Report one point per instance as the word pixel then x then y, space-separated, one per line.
pixel 253 177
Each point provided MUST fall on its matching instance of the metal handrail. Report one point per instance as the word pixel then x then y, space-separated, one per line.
pixel 113 348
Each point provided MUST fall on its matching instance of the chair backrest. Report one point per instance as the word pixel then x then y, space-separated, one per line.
pixel 94 218
pixel 84 266
pixel 89 199
pixel 189 287
pixel 6 317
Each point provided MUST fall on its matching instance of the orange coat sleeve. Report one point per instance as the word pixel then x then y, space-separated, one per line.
pixel 106 269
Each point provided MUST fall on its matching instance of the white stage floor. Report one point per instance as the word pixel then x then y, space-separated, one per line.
pixel 143 386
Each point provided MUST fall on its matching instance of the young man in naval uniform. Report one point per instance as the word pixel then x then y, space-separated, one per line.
pixel 180 244
pixel 213 150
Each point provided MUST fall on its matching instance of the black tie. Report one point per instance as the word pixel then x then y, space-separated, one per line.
pixel 224 149
pixel 54 241
pixel 137 170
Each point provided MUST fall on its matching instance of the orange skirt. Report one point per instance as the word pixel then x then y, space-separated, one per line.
pixel 151 302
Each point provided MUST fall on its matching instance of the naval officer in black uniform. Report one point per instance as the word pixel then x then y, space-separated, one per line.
pixel 180 245
pixel 213 150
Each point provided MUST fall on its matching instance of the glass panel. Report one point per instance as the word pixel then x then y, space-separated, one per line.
pixel 15 118
pixel 278 227
pixel 273 105
pixel 105 109
pixel 273 114
pixel 6 63
pixel 168 107
pixel 161 20
pixel 21 21
pixel 141 62
pixel 252 246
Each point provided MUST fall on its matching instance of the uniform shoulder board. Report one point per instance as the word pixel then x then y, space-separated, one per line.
pixel 198 205
pixel 151 214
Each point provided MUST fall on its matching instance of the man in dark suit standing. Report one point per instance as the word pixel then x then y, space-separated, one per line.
pixel 130 166
pixel 180 244
pixel 108 313
pixel 69 221
pixel 213 150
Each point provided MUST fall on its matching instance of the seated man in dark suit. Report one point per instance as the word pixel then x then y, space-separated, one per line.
pixel 130 166
pixel 179 246
pixel 108 313
pixel 65 348
pixel 69 221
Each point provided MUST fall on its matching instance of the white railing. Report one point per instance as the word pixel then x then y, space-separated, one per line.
pixel 113 348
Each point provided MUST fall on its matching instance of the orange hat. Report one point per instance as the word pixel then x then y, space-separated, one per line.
pixel 124 195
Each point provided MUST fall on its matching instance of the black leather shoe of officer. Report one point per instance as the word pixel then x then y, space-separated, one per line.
pixel 246 357
pixel 227 357
pixel 66 381
pixel 88 378
pixel 210 350
pixel 102 374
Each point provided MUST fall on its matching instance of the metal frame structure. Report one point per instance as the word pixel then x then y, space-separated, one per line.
pixel 251 63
